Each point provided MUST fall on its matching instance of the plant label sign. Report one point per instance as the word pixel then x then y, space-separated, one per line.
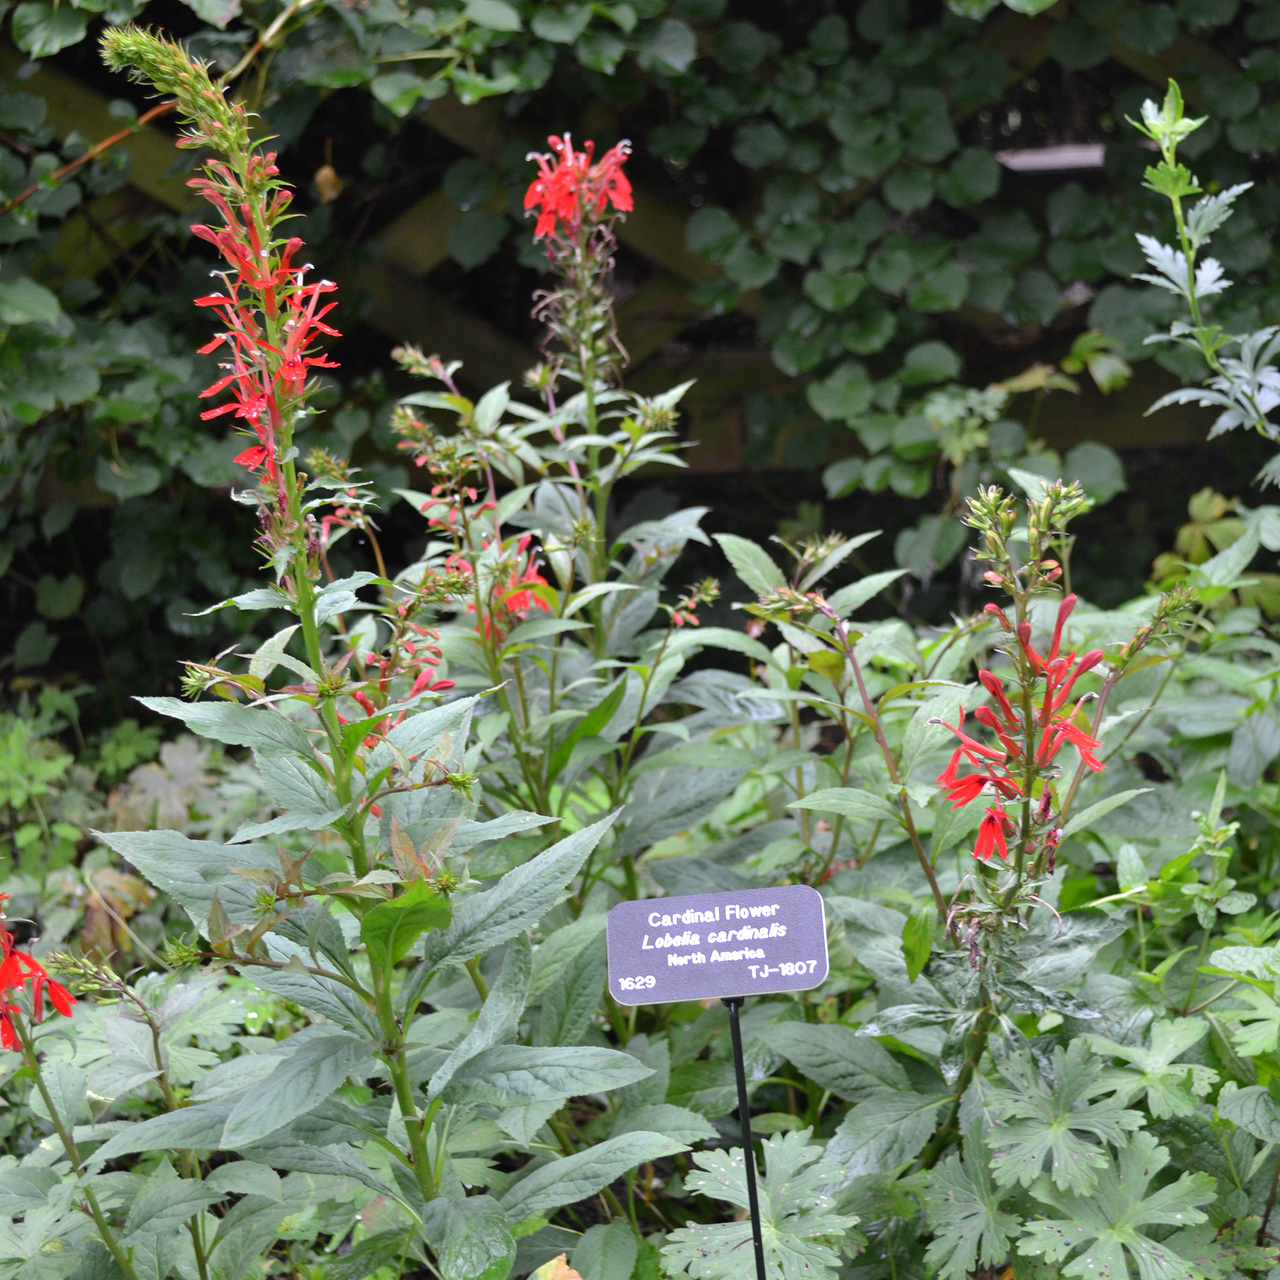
pixel 704 946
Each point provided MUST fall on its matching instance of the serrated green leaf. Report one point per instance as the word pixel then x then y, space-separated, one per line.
pixel 581 1175
pixel 517 902
pixel 1040 1119
pixel 967 1217
pixel 752 563
pixel 391 928
pixel 803 1234
pixel 472 1238
pixel 300 1082
pixel 850 802
pixel 1098 1231
pixel 512 1075
pixel 917 937
pixel 836 1057
pixel 1087 817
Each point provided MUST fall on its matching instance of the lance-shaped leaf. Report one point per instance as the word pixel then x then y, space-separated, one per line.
pixel 1097 1231
pixel 1041 1119
pixel 581 1175
pixel 836 1057
pixel 471 1237
pixel 391 928
pixel 300 1082
pixel 268 732
pixel 513 1075
pixel 191 871
pixel 517 902
pixel 499 1018
pixel 885 1132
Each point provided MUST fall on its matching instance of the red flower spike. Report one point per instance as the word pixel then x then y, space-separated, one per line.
pixel 1064 612
pixel 16 969
pixel 992 835
pixel 569 189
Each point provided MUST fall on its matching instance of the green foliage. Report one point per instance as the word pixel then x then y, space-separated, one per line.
pixel 804 1234
pixel 365 1002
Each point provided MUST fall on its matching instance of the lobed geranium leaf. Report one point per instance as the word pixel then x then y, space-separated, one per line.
pixel 1054 1120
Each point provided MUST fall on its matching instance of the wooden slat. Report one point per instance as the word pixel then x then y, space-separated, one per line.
pixel 410 311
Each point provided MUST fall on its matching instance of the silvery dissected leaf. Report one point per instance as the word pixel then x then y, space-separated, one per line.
pixel 966 1215
pixel 1101 1228
pixel 1210 278
pixel 804 1233
pixel 1208 214
pixel 1168 261
pixel 1053 1120
pixel 578 1176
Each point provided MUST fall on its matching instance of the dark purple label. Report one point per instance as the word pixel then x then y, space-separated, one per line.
pixel 701 946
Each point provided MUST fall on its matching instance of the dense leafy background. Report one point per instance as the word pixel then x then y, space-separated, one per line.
pixel 822 236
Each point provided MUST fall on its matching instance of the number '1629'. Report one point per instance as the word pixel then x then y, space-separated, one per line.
pixel 638 984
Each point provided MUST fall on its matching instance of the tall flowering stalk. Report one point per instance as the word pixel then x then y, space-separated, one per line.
pixel 570 577
pixel 271 316
pixel 24 986
pixel 577 202
pixel 1016 773
pixel 1029 737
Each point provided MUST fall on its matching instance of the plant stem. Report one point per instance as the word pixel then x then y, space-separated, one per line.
pixel 68 1145
pixel 977 1046
pixel 903 801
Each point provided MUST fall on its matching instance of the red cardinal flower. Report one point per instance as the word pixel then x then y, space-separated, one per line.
pixel 16 970
pixel 1004 771
pixel 992 831
pixel 254 456
pixel 569 189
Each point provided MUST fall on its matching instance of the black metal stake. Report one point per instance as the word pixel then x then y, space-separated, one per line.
pixel 734 1003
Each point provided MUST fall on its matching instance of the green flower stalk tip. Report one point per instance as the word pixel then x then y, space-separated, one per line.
pixel 167 66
